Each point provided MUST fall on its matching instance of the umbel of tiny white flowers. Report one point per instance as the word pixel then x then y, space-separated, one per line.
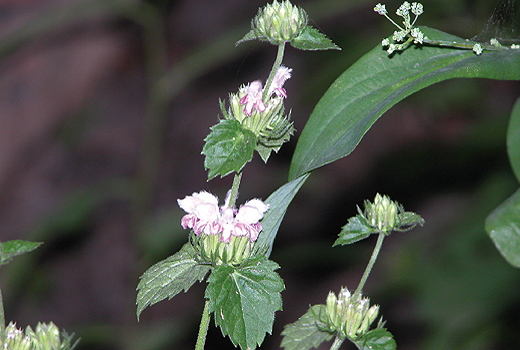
pixel 406 34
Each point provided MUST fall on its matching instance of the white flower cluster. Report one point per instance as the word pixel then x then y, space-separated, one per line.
pixel 205 217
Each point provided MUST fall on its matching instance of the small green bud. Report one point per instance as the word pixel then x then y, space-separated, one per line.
pixel 213 251
pixel 349 316
pixel 383 214
pixel 279 22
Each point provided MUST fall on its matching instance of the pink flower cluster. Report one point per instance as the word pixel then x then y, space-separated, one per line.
pixel 253 98
pixel 205 216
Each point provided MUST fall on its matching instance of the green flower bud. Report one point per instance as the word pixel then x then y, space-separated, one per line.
pixel 279 22
pixel 349 316
pixel 383 214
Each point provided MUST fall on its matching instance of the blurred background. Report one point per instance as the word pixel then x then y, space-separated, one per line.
pixel 104 105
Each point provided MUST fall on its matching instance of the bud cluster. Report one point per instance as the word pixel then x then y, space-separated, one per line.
pixel 43 337
pixel 349 316
pixel 383 214
pixel 279 22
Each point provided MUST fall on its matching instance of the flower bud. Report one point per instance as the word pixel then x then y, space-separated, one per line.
pixel 349 315
pixel 214 251
pixel 383 214
pixel 279 22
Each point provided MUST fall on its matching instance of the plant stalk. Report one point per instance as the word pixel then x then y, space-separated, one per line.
pixel 276 65
pixel 337 343
pixel 371 263
pixel 203 328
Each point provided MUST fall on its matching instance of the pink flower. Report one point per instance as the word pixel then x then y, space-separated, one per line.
pixel 204 216
pixel 282 74
pixel 253 98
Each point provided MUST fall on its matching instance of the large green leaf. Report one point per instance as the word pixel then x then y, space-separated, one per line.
pixel 503 226
pixel 278 202
pixel 169 277
pixel 377 339
pixel 306 333
pixel 245 299
pixel 376 82
pixel 513 139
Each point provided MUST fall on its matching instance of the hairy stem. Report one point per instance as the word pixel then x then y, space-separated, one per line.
pixel 2 317
pixel 276 65
pixel 337 343
pixel 203 328
pixel 234 189
pixel 371 263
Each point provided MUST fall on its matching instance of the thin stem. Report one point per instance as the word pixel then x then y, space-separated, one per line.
pixel 337 343
pixel 276 65
pixel 371 263
pixel 234 189
pixel 459 45
pixel 203 328
pixel 2 317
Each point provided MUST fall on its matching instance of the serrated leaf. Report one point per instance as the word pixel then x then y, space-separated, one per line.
pixel 312 39
pixel 409 220
pixel 278 202
pixel 377 339
pixel 249 36
pixel 245 299
pixel 10 249
pixel 503 226
pixel 169 277
pixel 378 81
pixel 305 333
pixel 355 230
pixel 513 139
pixel 228 148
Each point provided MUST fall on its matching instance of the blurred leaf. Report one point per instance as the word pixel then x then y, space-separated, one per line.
pixel 503 226
pixel 305 334
pixel 377 339
pixel 355 230
pixel 378 81
pixel 169 277
pixel 278 203
pixel 228 148
pixel 312 39
pixel 10 249
pixel 513 139
pixel 245 299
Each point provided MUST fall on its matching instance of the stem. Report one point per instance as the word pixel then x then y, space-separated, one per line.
pixel 337 343
pixel 373 258
pixel 2 317
pixel 459 45
pixel 276 65
pixel 203 328
pixel 234 189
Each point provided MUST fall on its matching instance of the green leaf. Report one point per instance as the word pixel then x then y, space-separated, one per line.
pixel 312 39
pixel 245 299
pixel 228 148
pixel 503 226
pixel 169 277
pixel 378 81
pixel 355 230
pixel 278 203
pixel 513 139
pixel 10 249
pixel 305 333
pixel 377 339
pixel 251 35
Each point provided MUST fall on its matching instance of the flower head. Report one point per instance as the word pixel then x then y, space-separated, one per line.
pixel 205 217
pixel 282 74
pixel 253 98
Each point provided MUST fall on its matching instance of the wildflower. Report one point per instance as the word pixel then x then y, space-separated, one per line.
pixel 477 48
pixel 282 74
pixel 253 98
pixel 205 217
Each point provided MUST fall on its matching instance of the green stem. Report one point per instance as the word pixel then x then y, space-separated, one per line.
pixel 203 329
pixel 337 343
pixel 2 317
pixel 276 65
pixel 234 189
pixel 371 263
pixel 460 45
